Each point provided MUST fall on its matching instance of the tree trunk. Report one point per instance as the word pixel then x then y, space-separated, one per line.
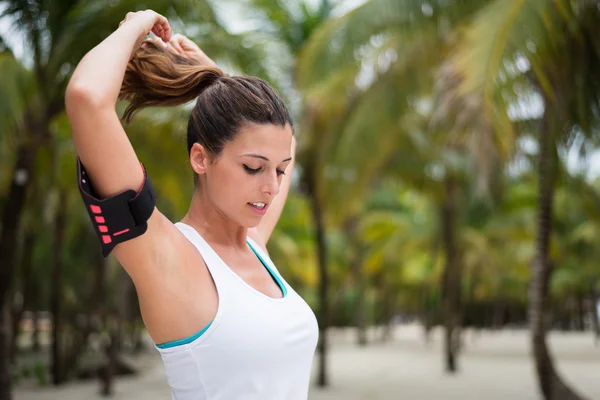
pixel 580 315
pixel 550 383
pixel 5 386
pixel 427 314
pixel 359 280
pixel 115 318
pixel 108 372
pixel 594 312
pixel 387 312
pixel 35 335
pixel 59 233
pixel 11 219
pixel 317 214
pixel 451 277
pixel 499 310
pixel 27 281
pixel 361 308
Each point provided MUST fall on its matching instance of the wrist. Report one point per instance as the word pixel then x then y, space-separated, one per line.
pixel 134 28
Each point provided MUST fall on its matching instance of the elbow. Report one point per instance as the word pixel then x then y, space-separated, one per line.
pixel 79 95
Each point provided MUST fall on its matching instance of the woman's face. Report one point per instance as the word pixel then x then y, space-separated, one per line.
pixel 245 178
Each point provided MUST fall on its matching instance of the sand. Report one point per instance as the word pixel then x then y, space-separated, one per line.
pixel 493 366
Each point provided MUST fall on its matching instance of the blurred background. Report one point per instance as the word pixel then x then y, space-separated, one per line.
pixel 444 219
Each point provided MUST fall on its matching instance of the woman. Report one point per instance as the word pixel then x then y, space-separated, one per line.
pixel 227 325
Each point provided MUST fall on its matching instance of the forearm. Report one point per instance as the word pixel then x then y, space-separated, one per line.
pixel 90 100
pixel 100 73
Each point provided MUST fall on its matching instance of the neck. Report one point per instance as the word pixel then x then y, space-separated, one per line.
pixel 213 225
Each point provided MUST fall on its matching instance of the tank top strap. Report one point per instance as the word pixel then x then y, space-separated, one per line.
pixel 215 265
pixel 255 246
pixel 264 256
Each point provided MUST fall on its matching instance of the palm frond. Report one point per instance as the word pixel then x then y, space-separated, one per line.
pixel 341 41
pixel 289 22
pixel 16 91
pixel 373 129
pixel 548 46
pixel 87 23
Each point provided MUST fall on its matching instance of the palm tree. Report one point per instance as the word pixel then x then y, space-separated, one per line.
pixel 58 34
pixel 398 47
pixel 15 98
pixel 548 50
pixel 576 276
pixel 400 232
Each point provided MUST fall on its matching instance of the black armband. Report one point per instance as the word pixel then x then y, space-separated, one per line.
pixel 118 218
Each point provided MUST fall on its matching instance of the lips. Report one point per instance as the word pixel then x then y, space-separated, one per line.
pixel 259 208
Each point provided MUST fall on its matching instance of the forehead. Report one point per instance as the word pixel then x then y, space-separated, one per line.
pixel 271 141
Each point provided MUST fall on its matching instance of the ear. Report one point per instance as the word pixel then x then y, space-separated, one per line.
pixel 199 158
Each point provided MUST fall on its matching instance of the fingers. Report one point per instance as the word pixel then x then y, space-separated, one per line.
pixel 187 45
pixel 162 28
pixel 151 21
pixel 156 40
pixel 175 43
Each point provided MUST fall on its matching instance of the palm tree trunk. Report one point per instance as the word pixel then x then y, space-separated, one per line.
pixel 580 316
pixel 97 308
pixel 114 320
pixel 359 280
pixel 5 385
pixel 35 335
pixel 550 383
pixel 361 307
pixel 499 307
pixel 317 214
pixel 594 312
pixel 451 277
pixel 11 219
pixel 56 303
pixel 108 372
pixel 387 303
pixel 28 284
pixel 427 314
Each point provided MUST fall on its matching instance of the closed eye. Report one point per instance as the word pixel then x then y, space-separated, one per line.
pixel 257 170
pixel 251 170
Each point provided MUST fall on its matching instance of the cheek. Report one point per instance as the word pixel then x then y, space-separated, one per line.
pixel 230 186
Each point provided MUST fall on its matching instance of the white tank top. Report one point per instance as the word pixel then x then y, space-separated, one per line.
pixel 257 347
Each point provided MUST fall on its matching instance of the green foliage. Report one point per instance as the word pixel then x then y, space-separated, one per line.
pixel 41 373
pixel 396 96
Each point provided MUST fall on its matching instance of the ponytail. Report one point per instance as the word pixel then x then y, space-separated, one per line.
pixel 158 77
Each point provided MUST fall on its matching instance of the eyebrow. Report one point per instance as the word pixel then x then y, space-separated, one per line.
pixel 263 157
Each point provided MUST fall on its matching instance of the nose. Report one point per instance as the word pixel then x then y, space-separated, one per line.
pixel 271 184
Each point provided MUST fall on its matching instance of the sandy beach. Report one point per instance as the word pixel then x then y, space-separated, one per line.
pixel 493 366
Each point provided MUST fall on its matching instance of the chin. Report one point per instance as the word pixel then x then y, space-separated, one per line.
pixel 248 222
pixel 252 223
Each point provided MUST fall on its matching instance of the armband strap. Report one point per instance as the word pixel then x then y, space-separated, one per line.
pixel 118 218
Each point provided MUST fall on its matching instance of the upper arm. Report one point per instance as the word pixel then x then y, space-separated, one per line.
pixel 113 167
pixel 102 145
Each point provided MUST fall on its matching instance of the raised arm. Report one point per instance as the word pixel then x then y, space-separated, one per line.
pixel 90 101
pixel 101 143
pixel 269 221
